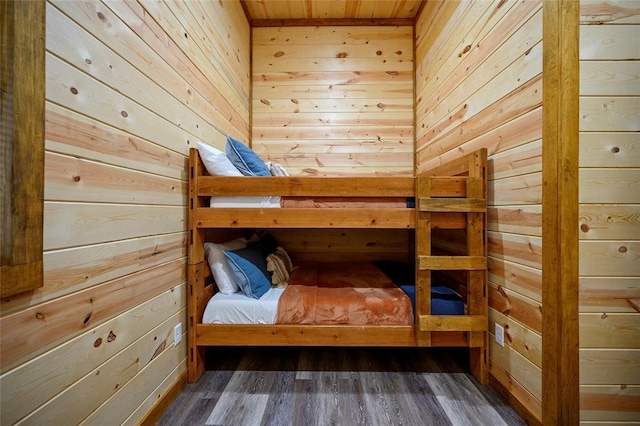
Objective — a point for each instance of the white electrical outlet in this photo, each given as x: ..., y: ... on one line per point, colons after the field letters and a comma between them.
x: 177, y: 334
x: 499, y: 333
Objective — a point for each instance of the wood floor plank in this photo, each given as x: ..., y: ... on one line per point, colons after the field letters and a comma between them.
x: 422, y: 401
x: 280, y: 403
x: 337, y: 386
x: 461, y: 400
x: 497, y: 403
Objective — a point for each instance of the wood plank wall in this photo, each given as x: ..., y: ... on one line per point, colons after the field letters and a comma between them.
x: 609, y: 199
x: 130, y: 87
x: 334, y: 100
x: 479, y: 84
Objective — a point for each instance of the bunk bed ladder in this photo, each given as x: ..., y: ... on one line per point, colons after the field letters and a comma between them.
x: 455, y: 202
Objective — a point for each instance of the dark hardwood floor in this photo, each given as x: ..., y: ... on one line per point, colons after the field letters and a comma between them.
x: 337, y: 386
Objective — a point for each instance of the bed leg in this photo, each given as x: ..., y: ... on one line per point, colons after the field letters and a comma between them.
x: 196, y: 363
x: 478, y: 361
x: 196, y: 354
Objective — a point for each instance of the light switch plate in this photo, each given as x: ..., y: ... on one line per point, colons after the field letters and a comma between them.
x: 499, y: 333
x: 177, y: 334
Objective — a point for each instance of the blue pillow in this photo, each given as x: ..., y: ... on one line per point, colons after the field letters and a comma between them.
x: 249, y: 268
x: 245, y: 160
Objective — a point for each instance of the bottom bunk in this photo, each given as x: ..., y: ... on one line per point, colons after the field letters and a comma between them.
x: 362, y: 321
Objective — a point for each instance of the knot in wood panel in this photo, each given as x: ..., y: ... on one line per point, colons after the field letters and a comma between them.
x: 466, y: 49
x: 159, y: 349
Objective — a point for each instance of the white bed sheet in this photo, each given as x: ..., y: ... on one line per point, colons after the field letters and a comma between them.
x: 238, y: 308
x: 249, y: 201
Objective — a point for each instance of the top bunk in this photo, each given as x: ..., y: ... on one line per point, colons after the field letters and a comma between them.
x: 368, y: 202
x: 354, y: 202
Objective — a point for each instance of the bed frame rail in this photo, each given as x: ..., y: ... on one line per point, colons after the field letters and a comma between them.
x: 308, y: 186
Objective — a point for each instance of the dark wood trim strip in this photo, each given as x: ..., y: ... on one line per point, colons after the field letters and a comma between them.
x: 22, y: 172
x: 243, y: 3
x: 312, y: 22
x: 423, y: 3
x: 560, y: 133
x: 164, y: 401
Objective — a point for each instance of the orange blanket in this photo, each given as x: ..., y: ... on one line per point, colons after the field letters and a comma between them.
x: 343, y: 293
x: 343, y: 202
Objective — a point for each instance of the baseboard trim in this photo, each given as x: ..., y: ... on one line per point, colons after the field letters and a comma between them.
x: 527, y: 415
x: 161, y: 405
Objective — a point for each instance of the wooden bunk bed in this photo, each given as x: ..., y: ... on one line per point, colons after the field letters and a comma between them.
x: 451, y: 197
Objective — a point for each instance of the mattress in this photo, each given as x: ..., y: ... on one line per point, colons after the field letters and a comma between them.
x: 250, y: 201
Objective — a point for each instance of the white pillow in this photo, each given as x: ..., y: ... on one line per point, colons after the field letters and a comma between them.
x: 216, y: 162
x: 220, y: 268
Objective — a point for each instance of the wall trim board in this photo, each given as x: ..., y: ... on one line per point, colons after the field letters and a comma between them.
x: 414, y: 138
x: 164, y: 401
x: 421, y: 7
x: 247, y: 15
x: 518, y: 406
x: 560, y: 357
x: 341, y: 22
x: 22, y: 127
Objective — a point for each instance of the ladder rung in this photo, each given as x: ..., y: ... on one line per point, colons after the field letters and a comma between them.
x: 453, y: 205
x: 453, y: 323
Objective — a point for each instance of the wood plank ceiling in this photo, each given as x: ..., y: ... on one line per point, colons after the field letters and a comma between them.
x: 264, y: 10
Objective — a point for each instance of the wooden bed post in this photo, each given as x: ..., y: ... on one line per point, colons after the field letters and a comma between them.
x: 195, y: 250
x: 423, y: 277
x: 195, y: 354
x: 477, y: 279
x: 195, y: 243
